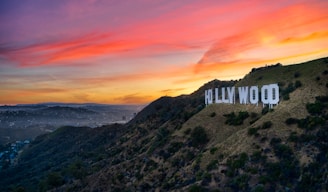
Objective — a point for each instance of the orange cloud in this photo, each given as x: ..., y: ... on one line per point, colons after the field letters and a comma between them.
x: 318, y: 35
x: 171, y: 91
x: 135, y: 98
x: 263, y: 41
x: 32, y: 95
x: 91, y: 50
x: 59, y: 52
x: 244, y: 66
x: 71, y: 51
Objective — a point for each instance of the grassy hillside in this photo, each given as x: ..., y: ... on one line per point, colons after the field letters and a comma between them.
x: 178, y: 144
x: 303, y: 83
x: 313, y: 79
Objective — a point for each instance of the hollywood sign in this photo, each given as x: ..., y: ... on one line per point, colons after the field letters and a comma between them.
x: 269, y: 95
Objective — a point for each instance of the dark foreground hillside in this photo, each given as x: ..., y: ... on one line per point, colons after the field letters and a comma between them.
x: 178, y: 144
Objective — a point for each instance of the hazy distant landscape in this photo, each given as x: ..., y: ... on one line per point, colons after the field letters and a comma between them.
x: 20, y: 122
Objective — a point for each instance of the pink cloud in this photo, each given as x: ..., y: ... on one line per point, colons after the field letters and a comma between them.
x: 104, y: 43
x: 306, y: 25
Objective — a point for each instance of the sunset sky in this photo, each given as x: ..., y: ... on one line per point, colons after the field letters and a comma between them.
x: 134, y: 51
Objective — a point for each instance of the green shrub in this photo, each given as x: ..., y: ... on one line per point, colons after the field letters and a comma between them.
x: 286, y: 97
x: 283, y: 151
x: 323, y: 99
x: 160, y: 139
x: 265, y: 110
x: 76, y: 170
x: 232, y: 119
x: 290, y: 88
x: 285, y: 171
x: 281, y: 84
x: 285, y: 92
x: 274, y: 141
x: 310, y: 122
x: 304, y: 138
x: 298, y: 84
x: 297, y: 74
x: 273, y: 171
x: 240, y: 183
x: 252, y: 131
x: 196, y: 188
x: 239, y: 162
x: 243, y: 115
x: 212, y: 165
x: 263, y: 139
x: 315, y: 108
x: 54, y: 179
x: 187, y: 131
x: 258, y: 188
x: 254, y: 115
x: 174, y: 147
x: 293, y: 137
x: 291, y: 121
x: 258, y: 157
x: 213, y: 114
x: 213, y: 150
x: 198, y: 136
x: 266, y: 125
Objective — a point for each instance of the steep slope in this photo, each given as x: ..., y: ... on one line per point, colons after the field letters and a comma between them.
x: 68, y: 155
x: 179, y: 144
x: 301, y: 82
x: 206, y: 153
x: 269, y: 135
x: 73, y: 151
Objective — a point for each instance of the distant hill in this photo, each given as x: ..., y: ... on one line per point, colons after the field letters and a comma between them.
x: 178, y: 144
x: 26, y: 121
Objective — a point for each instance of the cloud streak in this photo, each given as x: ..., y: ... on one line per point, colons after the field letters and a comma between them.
x: 246, y: 48
x: 130, y: 52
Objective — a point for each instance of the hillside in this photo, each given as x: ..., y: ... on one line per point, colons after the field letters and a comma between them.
x: 178, y: 144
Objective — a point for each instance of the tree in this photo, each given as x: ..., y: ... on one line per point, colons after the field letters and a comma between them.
x: 54, y: 179
x: 198, y: 136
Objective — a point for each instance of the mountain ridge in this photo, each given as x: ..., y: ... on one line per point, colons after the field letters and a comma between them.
x: 176, y: 144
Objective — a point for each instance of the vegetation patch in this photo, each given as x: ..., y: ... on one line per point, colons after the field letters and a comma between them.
x: 174, y: 147
x: 197, y: 188
x: 285, y: 92
x: 298, y: 84
x: 199, y: 136
x: 212, y: 165
x: 213, y: 114
x: 297, y: 74
x: 291, y: 121
x: 310, y: 122
x: 266, y: 125
x: 315, y: 108
x: 233, y: 119
x: 213, y: 150
x: 253, y: 131
x: 266, y: 109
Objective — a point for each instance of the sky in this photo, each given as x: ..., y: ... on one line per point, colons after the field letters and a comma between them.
x: 135, y: 51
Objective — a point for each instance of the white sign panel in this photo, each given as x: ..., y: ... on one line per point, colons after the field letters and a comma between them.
x: 247, y: 95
